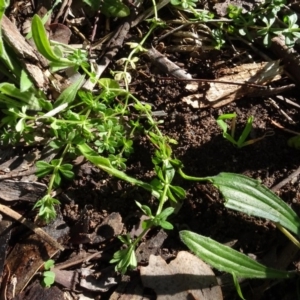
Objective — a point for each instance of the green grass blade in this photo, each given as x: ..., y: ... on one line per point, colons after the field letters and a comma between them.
x: 226, y: 259
x: 245, y: 132
x: 69, y: 94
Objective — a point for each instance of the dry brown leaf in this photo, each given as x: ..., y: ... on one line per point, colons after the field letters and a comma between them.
x: 220, y: 94
x: 183, y: 278
x: 260, y: 73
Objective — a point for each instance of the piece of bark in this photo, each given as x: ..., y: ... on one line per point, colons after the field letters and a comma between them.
x: 37, y: 292
x: 30, y: 253
x: 150, y: 247
x: 111, y: 226
x: 24, y: 52
x: 289, y: 57
x: 67, y: 279
x: 11, y: 190
x: 5, y: 233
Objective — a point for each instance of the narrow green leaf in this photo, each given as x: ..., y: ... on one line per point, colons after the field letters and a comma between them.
x: 25, y: 82
x: 228, y: 137
x: 166, y: 225
x: 108, y: 83
x: 144, y: 208
x: 247, y: 195
x: 222, y: 125
x: 227, y: 116
x: 69, y: 94
x: 178, y: 191
x: 226, y: 259
x: 66, y: 173
x: 27, y: 97
x: 166, y: 212
x: 41, y: 40
x: 237, y: 286
x: 245, y: 132
x: 57, y: 179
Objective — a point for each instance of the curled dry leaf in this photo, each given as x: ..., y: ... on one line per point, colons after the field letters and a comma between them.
x: 185, y: 277
x: 246, y: 76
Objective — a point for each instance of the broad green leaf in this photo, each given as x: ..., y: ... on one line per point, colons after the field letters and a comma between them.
x: 294, y: 142
x: 247, y: 195
x: 20, y: 125
x: 166, y: 225
x: 62, y: 64
x: 226, y: 259
x: 108, y: 83
x: 25, y: 82
x: 43, y: 168
x: 45, y: 17
x: 49, y: 278
x: 66, y: 172
x: 94, y: 4
x: 3, y: 5
x: 55, y: 162
x: 41, y: 40
x: 69, y: 94
x: 227, y: 116
x: 27, y: 97
x: 114, y: 8
x: 56, y: 144
x: 57, y: 179
x: 49, y: 264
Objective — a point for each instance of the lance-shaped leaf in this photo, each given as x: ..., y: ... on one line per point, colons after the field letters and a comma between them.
x: 247, y: 195
x: 226, y: 259
x: 41, y: 40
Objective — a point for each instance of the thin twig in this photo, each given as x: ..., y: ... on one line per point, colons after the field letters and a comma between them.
x: 282, y: 183
x: 40, y: 232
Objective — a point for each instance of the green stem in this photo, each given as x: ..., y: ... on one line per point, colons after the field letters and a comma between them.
x: 56, y: 169
x: 192, y: 178
x: 155, y: 9
x: 135, y: 50
x: 288, y: 235
x: 136, y: 241
x: 162, y: 199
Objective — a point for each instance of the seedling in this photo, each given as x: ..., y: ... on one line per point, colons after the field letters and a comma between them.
x: 48, y: 275
x: 241, y: 142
